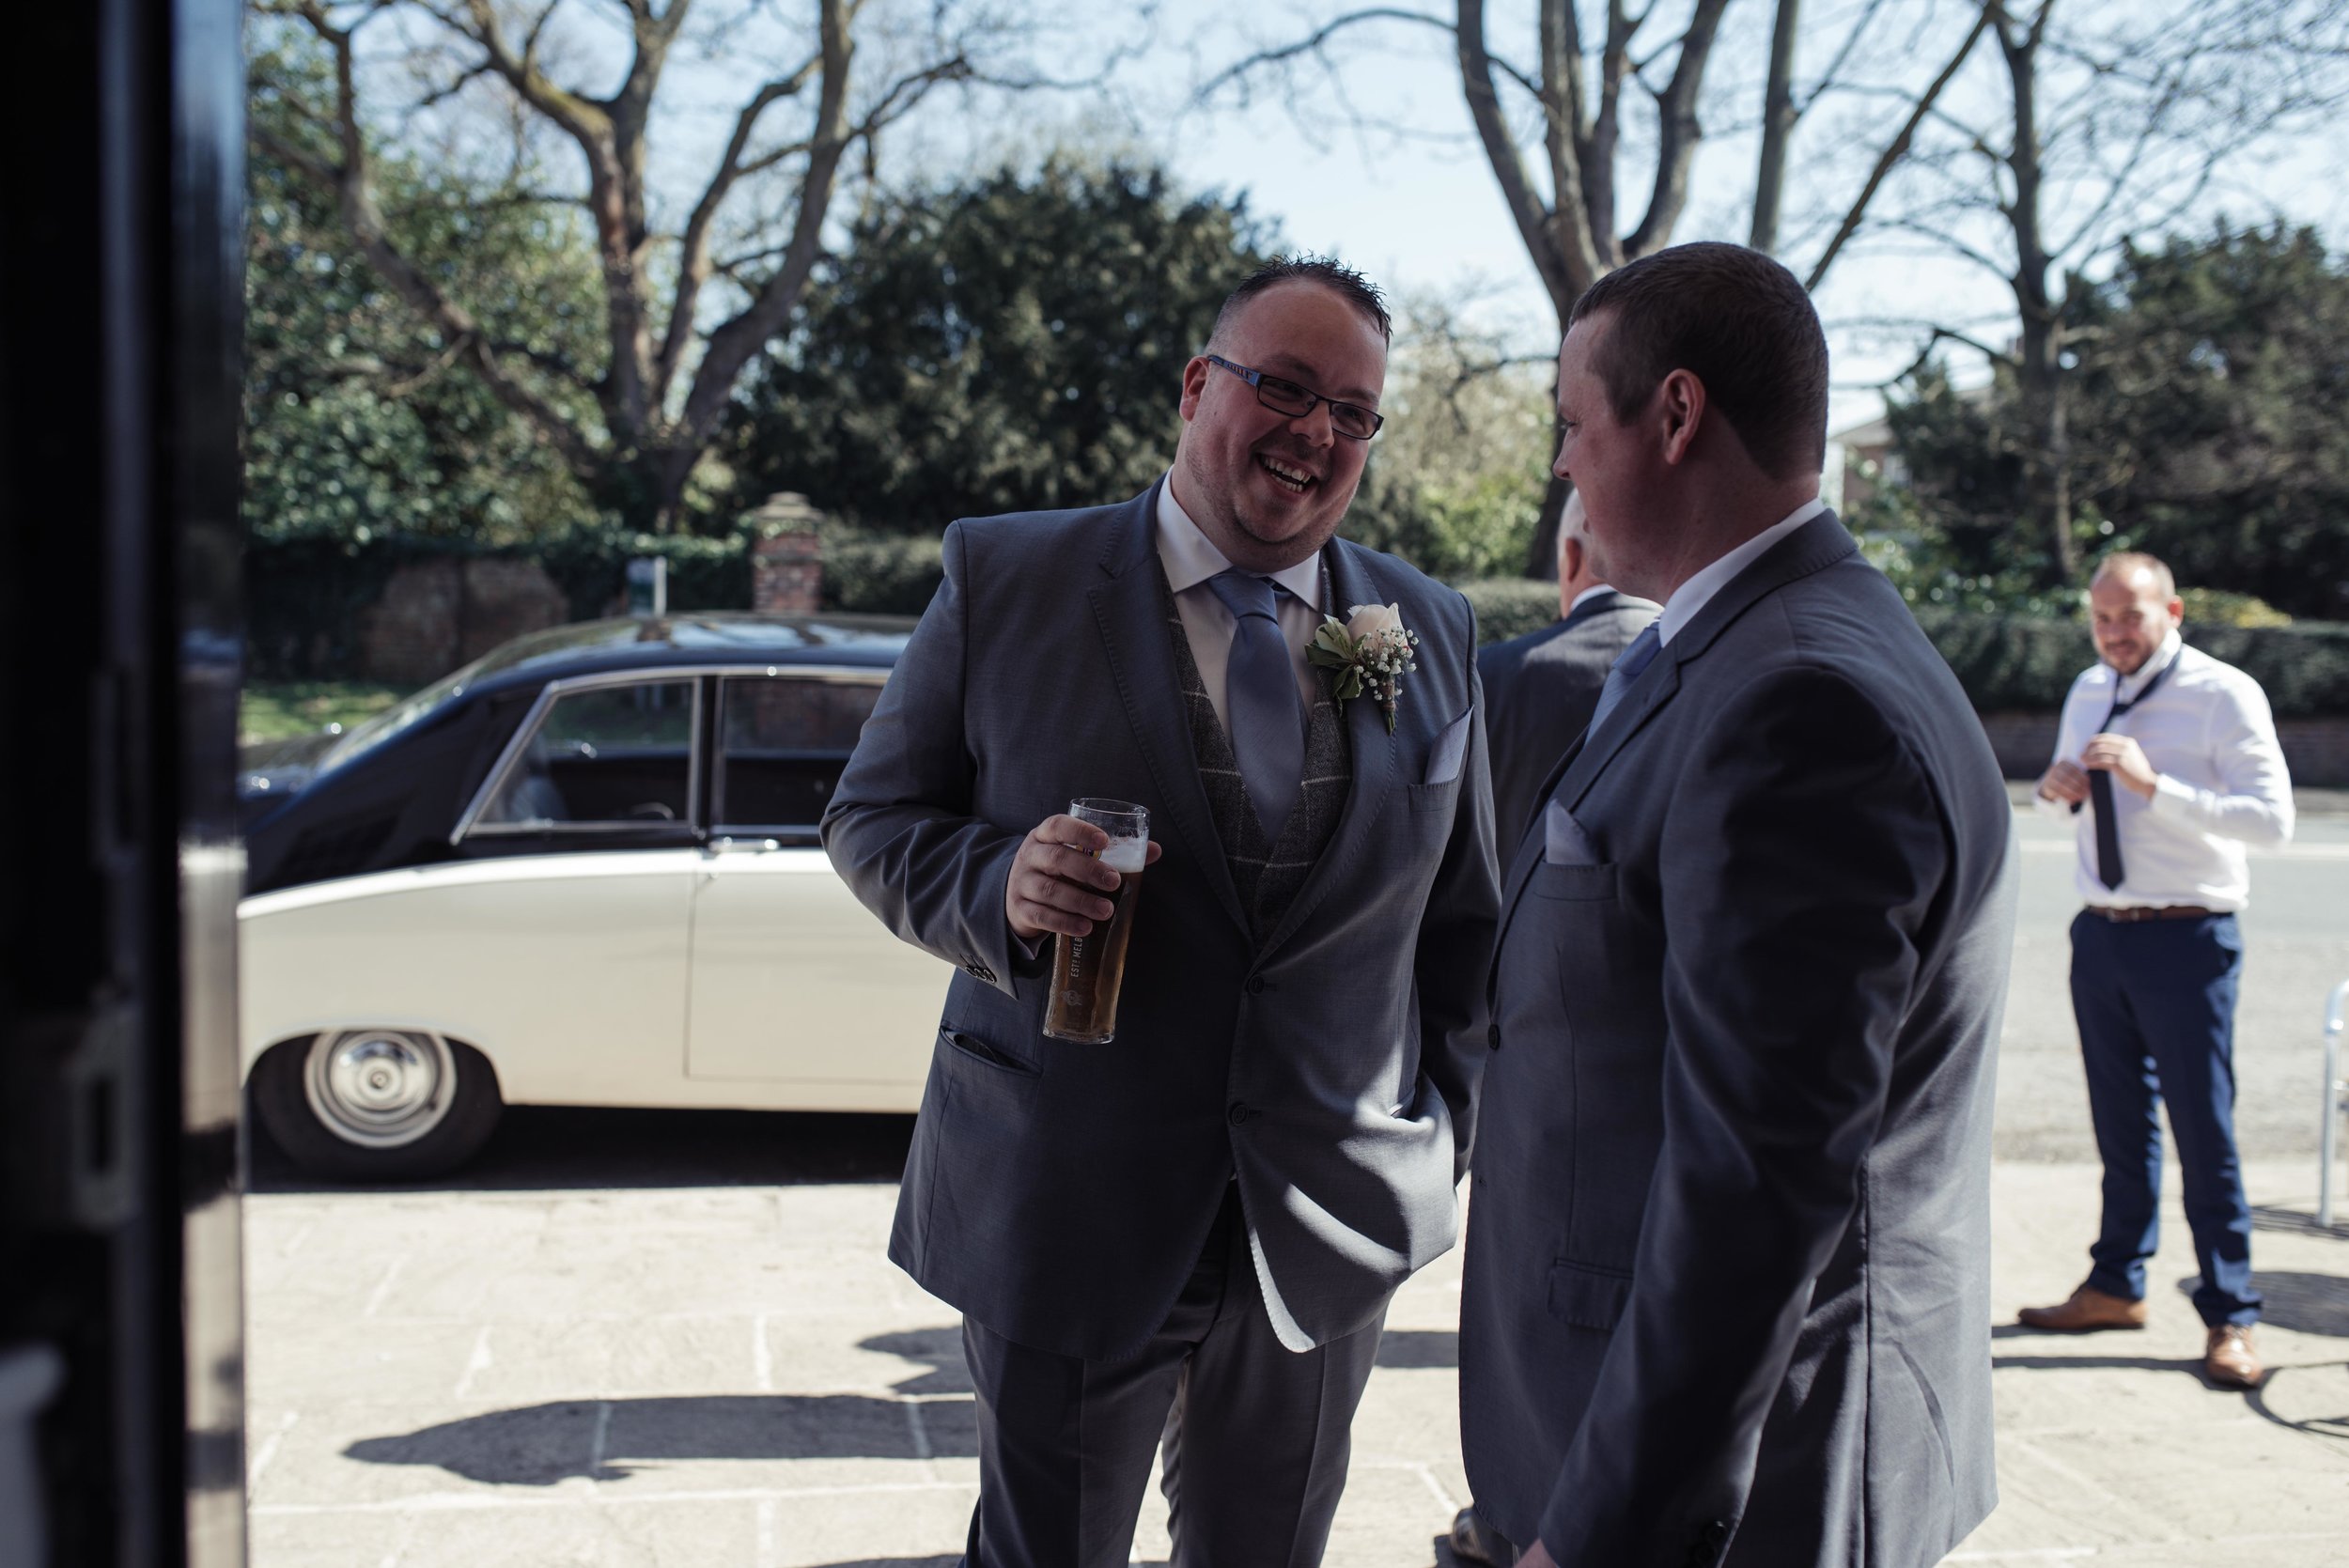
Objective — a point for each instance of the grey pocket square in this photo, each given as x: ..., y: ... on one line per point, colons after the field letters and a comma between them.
x: 1450, y: 750
x: 1564, y: 842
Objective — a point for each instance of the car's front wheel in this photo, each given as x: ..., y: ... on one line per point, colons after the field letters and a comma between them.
x: 376, y: 1104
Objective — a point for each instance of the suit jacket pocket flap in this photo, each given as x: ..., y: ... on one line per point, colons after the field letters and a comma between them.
x: 972, y: 1048
x: 1587, y: 1298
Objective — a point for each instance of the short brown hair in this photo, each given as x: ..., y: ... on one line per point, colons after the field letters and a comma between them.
x: 1738, y: 322
x: 1329, y: 272
x: 2122, y: 562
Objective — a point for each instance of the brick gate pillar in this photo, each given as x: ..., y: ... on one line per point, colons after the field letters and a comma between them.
x: 788, y: 559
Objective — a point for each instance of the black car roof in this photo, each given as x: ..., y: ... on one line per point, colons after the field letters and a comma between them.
x: 701, y: 637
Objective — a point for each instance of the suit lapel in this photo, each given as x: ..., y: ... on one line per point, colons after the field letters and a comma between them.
x: 1814, y: 546
x: 1138, y: 643
x: 1374, y: 751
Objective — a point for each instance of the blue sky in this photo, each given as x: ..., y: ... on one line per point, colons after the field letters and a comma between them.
x: 1411, y: 200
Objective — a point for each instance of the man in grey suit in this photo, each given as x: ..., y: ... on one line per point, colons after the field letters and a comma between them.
x: 1540, y: 688
x: 1189, y: 1233
x: 1727, y: 1283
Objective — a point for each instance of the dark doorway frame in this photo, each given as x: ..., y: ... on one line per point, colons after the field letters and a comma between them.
x: 121, y: 278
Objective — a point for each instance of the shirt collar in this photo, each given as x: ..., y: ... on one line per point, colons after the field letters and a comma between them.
x: 1190, y: 557
x: 1587, y: 594
x: 2130, y: 685
x: 1693, y: 595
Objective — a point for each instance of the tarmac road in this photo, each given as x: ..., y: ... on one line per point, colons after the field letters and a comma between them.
x: 2296, y: 937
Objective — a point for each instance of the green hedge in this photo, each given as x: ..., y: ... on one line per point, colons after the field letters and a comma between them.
x: 303, y: 597
x: 1510, y: 607
x: 2019, y: 663
x: 2010, y: 664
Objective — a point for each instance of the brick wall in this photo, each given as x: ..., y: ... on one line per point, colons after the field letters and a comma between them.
x: 438, y: 613
x: 2316, y: 750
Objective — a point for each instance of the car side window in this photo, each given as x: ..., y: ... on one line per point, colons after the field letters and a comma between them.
x: 784, y: 739
x: 601, y: 758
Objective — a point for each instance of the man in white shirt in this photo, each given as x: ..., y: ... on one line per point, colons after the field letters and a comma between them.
x: 2168, y: 762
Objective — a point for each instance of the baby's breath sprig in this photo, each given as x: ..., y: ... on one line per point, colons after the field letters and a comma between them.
x: 1371, y: 654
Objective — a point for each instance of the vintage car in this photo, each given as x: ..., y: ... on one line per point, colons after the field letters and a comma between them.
x: 583, y: 870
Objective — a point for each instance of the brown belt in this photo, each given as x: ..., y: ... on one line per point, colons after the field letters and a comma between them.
x: 2152, y: 911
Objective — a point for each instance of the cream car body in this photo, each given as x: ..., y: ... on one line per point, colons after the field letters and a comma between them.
x: 582, y: 871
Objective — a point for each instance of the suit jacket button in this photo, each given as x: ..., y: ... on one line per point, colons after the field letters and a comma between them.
x: 1238, y: 1113
x: 1255, y: 985
x: 1493, y: 1035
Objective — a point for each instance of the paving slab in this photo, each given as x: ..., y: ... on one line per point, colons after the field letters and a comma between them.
x: 726, y: 1376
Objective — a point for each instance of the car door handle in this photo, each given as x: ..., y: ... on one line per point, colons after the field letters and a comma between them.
x: 743, y: 846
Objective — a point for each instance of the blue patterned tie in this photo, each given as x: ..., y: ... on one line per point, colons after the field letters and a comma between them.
x: 1627, y: 669
x: 1260, y: 690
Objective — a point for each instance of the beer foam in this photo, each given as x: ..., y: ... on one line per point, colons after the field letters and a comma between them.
x: 1126, y: 855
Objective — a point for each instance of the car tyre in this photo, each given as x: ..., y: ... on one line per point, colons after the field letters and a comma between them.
x: 377, y: 1105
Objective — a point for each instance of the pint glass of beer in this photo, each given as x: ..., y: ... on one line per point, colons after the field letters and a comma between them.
x: 1086, y: 969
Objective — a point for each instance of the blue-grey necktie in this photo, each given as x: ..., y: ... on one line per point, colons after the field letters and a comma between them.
x: 1268, y: 714
x: 1627, y: 669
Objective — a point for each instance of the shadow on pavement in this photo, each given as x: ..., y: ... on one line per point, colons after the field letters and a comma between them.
x: 941, y: 1350
x: 536, y: 1148
x: 2303, y: 1303
x: 2283, y: 1219
x: 540, y: 1445
x: 2190, y: 1366
x: 1419, y: 1347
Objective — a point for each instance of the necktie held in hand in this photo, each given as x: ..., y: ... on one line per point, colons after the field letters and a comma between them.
x: 1627, y: 667
x: 1268, y: 714
x: 2109, y: 869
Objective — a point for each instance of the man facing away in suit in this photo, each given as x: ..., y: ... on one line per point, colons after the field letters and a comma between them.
x: 1540, y: 688
x: 1727, y: 1282
x: 1188, y: 1235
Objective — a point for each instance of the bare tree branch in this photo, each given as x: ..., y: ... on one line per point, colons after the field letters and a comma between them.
x: 350, y: 183
x: 1894, y: 150
x: 1678, y: 132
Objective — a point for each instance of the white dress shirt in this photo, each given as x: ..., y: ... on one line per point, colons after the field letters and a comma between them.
x: 1190, y: 559
x: 1695, y: 594
x: 2221, y: 781
x: 1585, y: 597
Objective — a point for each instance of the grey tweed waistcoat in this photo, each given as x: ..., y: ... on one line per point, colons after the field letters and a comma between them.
x: 1267, y: 874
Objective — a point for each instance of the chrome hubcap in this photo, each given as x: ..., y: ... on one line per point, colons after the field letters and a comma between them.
x: 379, y: 1088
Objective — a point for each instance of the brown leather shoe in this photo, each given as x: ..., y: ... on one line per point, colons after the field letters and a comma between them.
x: 2086, y: 1310
x: 2230, y: 1361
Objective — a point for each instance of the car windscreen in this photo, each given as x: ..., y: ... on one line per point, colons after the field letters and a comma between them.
x: 404, y: 715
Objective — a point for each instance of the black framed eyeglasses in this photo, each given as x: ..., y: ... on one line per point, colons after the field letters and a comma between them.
x: 1350, y: 420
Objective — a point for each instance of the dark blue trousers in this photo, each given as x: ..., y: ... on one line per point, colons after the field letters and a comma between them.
x: 2155, y: 1004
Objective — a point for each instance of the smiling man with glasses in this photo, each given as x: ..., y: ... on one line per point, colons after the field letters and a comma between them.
x: 1187, y: 1237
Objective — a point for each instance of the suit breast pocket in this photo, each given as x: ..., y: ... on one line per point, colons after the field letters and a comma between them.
x: 1442, y: 797
x: 1574, y: 883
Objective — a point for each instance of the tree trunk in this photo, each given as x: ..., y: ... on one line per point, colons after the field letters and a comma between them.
x: 1778, y: 128
x: 2046, y: 456
x: 1541, y: 555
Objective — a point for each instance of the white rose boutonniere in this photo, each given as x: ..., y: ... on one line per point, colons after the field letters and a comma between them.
x: 1369, y: 651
